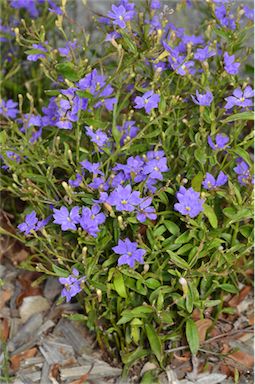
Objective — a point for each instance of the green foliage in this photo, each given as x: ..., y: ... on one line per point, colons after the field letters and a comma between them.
x: 190, y: 263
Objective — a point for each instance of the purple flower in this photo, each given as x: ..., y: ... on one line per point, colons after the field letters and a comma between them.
x: 13, y: 156
x: 68, y: 48
x: 128, y: 130
x: 91, y: 219
x: 189, y: 202
x: 192, y: 39
x: 229, y: 64
x: 249, y: 12
x: 179, y: 64
x: 99, y: 183
x: 72, y: 284
x: 148, y: 101
x: 8, y: 108
x: 203, y: 54
x: 39, y: 55
x: 155, y: 4
x: 92, y: 167
x: 77, y: 181
x: 203, y: 99
x: 154, y: 168
x: 132, y: 170
x: 145, y: 210
x: 211, y: 183
x: 92, y: 82
x: 240, y: 98
x: 65, y: 219
x: 29, y: 224
x: 221, y: 141
x: 29, y: 5
x: 42, y: 223
x: 98, y: 137
x: 112, y: 36
x: 54, y: 8
x: 124, y: 199
x: 120, y: 15
x: 243, y: 171
x: 129, y: 252
x: 225, y: 20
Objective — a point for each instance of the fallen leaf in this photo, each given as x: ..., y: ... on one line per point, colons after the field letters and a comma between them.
x: 32, y: 291
x: 4, y: 330
x: 181, y: 358
x: 54, y: 373
x: 251, y: 318
x: 16, y: 359
x: 226, y: 369
x: 196, y: 314
x: 237, y: 299
x: 84, y: 377
x: 242, y: 358
x: 202, y: 326
x: 5, y: 296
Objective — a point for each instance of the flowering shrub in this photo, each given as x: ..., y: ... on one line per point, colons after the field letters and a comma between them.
x: 127, y: 162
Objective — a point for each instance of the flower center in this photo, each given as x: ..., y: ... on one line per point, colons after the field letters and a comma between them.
x: 121, y: 17
x: 124, y: 202
x: 67, y: 286
x: 92, y: 217
x: 146, y: 101
x: 187, y: 208
x: 242, y: 99
x: 129, y: 253
x: 69, y: 219
x: 156, y: 169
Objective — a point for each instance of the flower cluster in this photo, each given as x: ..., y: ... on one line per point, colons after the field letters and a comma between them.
x: 72, y: 285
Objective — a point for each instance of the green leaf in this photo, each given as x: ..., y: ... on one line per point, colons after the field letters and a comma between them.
x: 228, y: 288
x: 210, y: 214
x: 154, y: 341
x: 200, y: 155
x: 178, y: 260
x: 68, y: 71
x: 60, y: 271
x: 184, y: 238
x: 119, y: 285
x: 172, y: 227
x: 84, y: 94
x: 197, y: 181
x: 130, y: 358
x: 192, y: 336
x: 239, y: 116
x: 152, y: 283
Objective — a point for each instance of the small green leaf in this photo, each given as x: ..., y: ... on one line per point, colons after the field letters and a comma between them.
x: 178, y: 260
x: 192, y: 336
x: 119, y: 284
x: 152, y: 283
x: 184, y: 238
x: 68, y: 70
x: 228, y: 288
x: 154, y: 341
x: 210, y: 214
x: 60, y: 271
x: 197, y: 181
x: 239, y: 116
x: 172, y: 227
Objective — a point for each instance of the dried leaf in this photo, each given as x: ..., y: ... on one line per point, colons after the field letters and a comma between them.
x: 16, y: 359
x: 202, y: 327
x: 32, y: 291
x: 237, y: 299
x: 4, y: 330
x: 242, y: 358
x: 84, y: 377
x: 5, y: 295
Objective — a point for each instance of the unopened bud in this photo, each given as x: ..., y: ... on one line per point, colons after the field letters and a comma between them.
x: 120, y: 222
x: 99, y: 295
x: 84, y: 251
x: 146, y: 267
